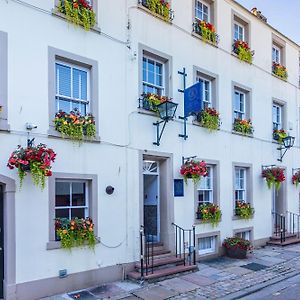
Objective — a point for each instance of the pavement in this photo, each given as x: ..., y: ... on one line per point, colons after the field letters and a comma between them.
x: 222, y: 278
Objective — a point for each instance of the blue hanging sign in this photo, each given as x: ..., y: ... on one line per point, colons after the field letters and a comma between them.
x: 193, y: 98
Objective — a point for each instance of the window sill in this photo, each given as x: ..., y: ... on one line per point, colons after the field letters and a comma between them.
x: 54, y: 245
x: 278, y: 77
x: 235, y: 217
x: 196, y: 123
x: 54, y: 134
x: 147, y: 112
x: 236, y: 56
x: 142, y: 7
x: 241, y: 134
x: 62, y: 16
x: 201, y: 222
x: 199, y: 37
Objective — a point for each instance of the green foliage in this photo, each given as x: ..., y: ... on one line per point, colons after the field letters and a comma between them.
x: 159, y: 7
x: 210, y: 213
x: 244, y: 55
x: 243, y: 126
x: 244, y: 210
x: 207, y: 32
x: 280, y: 71
x: 209, y: 118
x: 237, y: 242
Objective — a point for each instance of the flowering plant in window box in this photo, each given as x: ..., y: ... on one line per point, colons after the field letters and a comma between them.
x: 194, y: 169
x: 243, y: 126
x: 243, y: 209
x: 160, y: 7
x: 274, y: 176
x: 75, y: 232
x: 74, y: 125
x: 279, y: 135
x: 296, y: 178
x: 36, y: 160
x: 78, y: 12
x: 210, y: 213
x: 151, y: 101
x: 236, y: 247
x: 207, y: 31
x: 280, y: 71
x: 209, y: 118
x: 243, y: 51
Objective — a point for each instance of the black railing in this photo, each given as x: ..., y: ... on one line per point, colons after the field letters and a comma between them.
x: 293, y: 223
x: 185, y: 244
x: 279, y: 226
x: 147, y: 252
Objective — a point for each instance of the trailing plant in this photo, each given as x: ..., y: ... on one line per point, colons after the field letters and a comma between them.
x: 160, y: 7
x: 193, y: 169
x: 75, y: 232
x: 207, y: 31
x: 74, y: 125
x: 36, y: 160
x: 210, y: 119
x: 243, y: 209
x: 209, y: 213
x: 280, y: 71
x: 151, y: 101
x: 243, y: 126
x: 296, y: 178
x: 78, y: 12
x: 243, y: 51
x: 237, y: 243
x: 274, y: 176
x: 279, y: 135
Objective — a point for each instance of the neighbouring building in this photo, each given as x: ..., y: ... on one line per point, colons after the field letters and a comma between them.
x: 120, y: 178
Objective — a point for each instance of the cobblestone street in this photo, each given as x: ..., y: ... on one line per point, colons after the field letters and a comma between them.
x: 222, y: 278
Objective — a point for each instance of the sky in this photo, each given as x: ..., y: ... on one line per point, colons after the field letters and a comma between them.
x: 282, y: 15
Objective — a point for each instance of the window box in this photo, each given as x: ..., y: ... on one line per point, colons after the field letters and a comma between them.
x: 243, y: 126
x: 279, y: 71
x: 243, y: 210
x: 274, y: 176
x: 209, y: 213
x: 151, y: 101
x: 206, y: 31
x: 159, y: 7
x: 209, y: 118
x: 78, y: 12
x: 243, y: 51
x: 279, y: 135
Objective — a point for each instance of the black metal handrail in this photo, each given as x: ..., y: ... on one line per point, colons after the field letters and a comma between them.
x: 279, y: 226
x: 293, y: 223
x: 185, y: 244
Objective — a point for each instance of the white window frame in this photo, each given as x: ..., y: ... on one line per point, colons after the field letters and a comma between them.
x: 277, y: 57
x: 210, y: 250
x: 70, y: 207
x: 207, y: 101
x: 237, y: 110
x: 246, y: 235
x: 72, y: 99
x: 237, y: 185
x: 277, y: 117
x: 162, y: 88
x: 200, y: 11
x: 240, y: 28
x: 203, y: 187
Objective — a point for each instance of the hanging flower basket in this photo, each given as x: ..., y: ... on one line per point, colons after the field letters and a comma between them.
x: 35, y: 160
x: 75, y: 233
x: 243, y: 210
x: 207, y: 31
x: 160, y: 7
x: 245, y: 127
x: 193, y: 169
x: 280, y: 71
x: 279, y: 135
x: 236, y: 247
x: 209, y: 213
x: 74, y: 125
x: 296, y: 178
x: 78, y: 12
x: 210, y: 119
x: 274, y: 176
x: 243, y: 51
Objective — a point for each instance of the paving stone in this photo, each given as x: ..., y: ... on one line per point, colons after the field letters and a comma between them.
x: 127, y: 285
x: 198, y: 279
x: 238, y: 270
x: 275, y: 260
x: 155, y: 293
x: 210, y: 271
x: 179, y: 285
x: 106, y: 291
x: 130, y: 298
x: 82, y: 295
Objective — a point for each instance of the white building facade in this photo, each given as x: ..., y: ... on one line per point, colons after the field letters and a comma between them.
x: 128, y: 52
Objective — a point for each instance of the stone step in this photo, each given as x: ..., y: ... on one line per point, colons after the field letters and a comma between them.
x: 162, y: 272
x: 287, y: 236
x: 288, y: 241
x: 159, y: 252
x: 169, y: 260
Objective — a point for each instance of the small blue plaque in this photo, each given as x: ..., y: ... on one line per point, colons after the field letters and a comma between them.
x: 178, y: 188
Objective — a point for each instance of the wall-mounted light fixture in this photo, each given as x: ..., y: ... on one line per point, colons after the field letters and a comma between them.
x: 287, y: 143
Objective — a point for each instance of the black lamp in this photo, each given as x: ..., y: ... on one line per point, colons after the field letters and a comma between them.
x: 288, y: 142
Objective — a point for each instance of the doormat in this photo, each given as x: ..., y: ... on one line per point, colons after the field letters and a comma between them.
x: 254, y: 267
x: 83, y: 295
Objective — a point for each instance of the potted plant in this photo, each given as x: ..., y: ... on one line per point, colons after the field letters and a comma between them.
x: 35, y: 160
x: 245, y: 127
x: 75, y: 232
x: 209, y: 213
x: 236, y: 247
x: 193, y: 169
x: 296, y: 178
x: 243, y: 210
x: 279, y: 135
x: 209, y: 118
x: 243, y: 51
x: 274, y: 176
x: 78, y: 12
x: 160, y: 7
x: 74, y: 125
x: 280, y: 71
x: 207, y: 31
x: 150, y: 101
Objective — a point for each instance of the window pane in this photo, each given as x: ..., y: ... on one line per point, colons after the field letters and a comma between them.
x: 63, y: 105
x: 62, y: 213
x: 62, y: 194
x: 63, y: 77
x: 78, y: 194
x: 151, y: 65
x: 78, y: 213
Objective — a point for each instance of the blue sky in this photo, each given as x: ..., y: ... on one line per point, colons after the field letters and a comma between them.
x: 284, y: 20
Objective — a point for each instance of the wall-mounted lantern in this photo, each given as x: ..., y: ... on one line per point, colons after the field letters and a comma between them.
x: 287, y: 143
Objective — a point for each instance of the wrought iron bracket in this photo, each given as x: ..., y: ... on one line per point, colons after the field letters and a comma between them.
x: 184, y: 75
x: 282, y: 153
x: 184, y: 159
x: 159, y: 132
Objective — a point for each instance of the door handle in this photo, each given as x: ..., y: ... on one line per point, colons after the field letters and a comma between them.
x: 1, y: 249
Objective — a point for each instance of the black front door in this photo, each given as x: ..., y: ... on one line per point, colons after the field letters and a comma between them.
x: 1, y: 243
